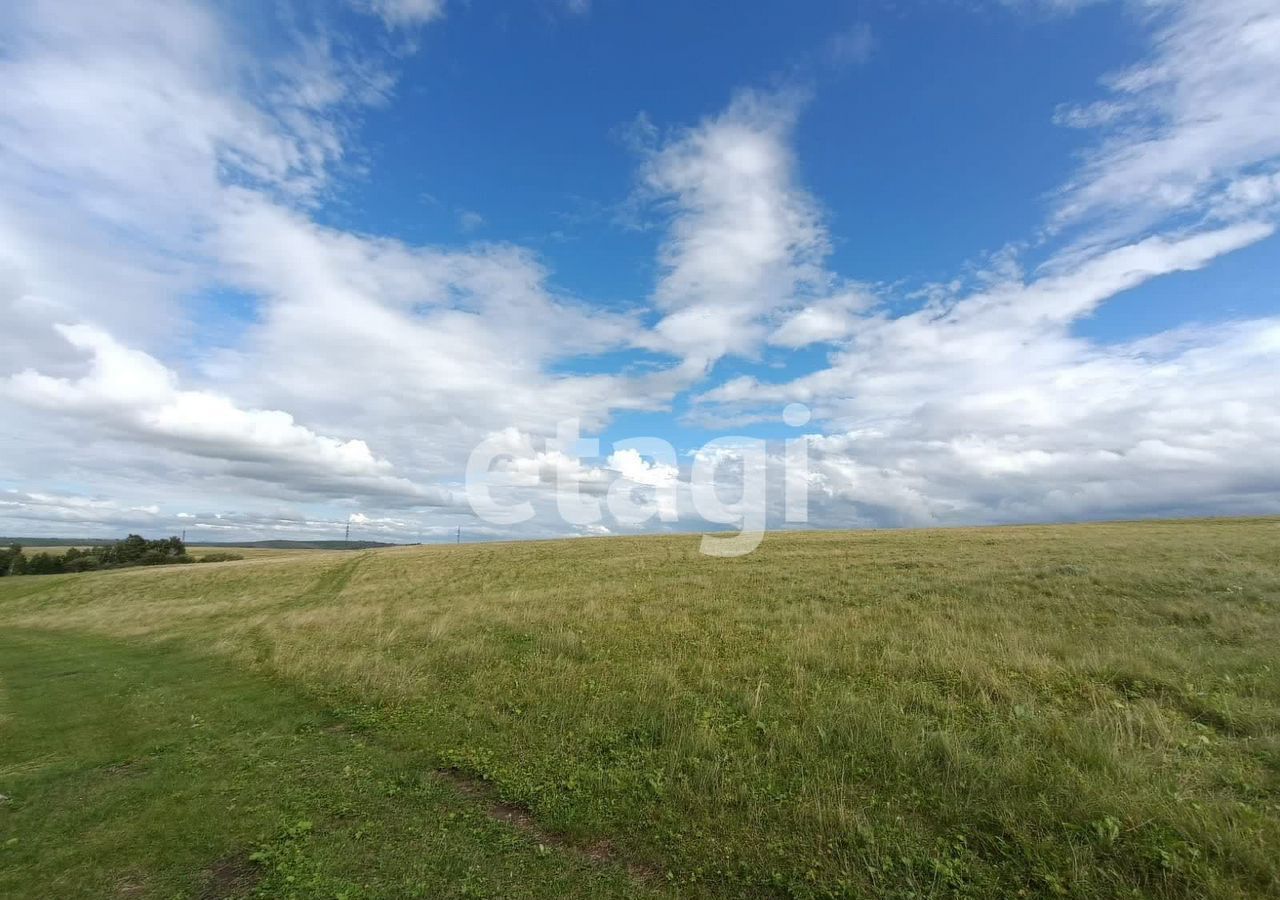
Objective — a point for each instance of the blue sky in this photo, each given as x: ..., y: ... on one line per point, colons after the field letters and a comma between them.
x: 272, y: 268
x: 936, y: 148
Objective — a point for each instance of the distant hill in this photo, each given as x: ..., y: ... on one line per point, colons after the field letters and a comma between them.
x: 268, y: 545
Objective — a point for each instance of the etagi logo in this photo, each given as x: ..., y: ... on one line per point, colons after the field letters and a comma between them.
x: 642, y: 482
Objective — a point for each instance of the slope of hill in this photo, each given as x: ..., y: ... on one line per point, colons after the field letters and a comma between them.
x: 1086, y: 710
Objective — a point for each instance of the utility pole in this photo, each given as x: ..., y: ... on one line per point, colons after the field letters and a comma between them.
x: 459, y: 534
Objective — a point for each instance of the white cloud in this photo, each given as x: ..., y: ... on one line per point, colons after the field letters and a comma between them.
x: 434, y: 348
x: 404, y: 13
x: 744, y: 239
x: 655, y: 483
x: 426, y: 350
x: 67, y: 515
x: 827, y: 319
x: 68, y: 510
x: 120, y: 132
x: 1248, y: 195
x: 469, y: 220
x: 851, y: 47
x: 128, y: 391
x: 1199, y: 112
x: 1174, y: 424
x: 990, y: 409
x: 631, y: 465
x: 144, y: 160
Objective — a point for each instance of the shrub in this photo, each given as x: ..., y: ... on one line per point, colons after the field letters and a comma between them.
x: 134, y: 550
x: 12, y: 561
x: 219, y: 557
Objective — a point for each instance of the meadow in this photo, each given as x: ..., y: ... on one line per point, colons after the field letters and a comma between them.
x: 1083, y: 711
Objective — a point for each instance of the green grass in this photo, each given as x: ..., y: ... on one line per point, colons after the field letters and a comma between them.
x: 1084, y: 711
x: 146, y: 771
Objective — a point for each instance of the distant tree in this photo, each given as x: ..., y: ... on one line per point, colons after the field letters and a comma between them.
x: 219, y: 557
x: 84, y: 562
x: 134, y: 550
x: 129, y: 551
x: 12, y: 562
x: 44, y: 564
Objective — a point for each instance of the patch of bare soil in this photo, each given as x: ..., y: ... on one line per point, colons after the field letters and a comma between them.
x: 130, y: 886
x: 231, y: 876
x: 601, y: 852
x: 129, y: 768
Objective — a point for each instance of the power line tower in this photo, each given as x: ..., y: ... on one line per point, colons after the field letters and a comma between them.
x: 346, y: 538
x: 459, y: 535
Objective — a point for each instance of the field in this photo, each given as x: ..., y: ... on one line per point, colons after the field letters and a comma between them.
x: 1085, y: 711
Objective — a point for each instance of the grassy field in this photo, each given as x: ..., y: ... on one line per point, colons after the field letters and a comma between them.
x: 1088, y: 711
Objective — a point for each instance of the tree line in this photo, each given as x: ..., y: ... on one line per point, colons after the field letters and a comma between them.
x: 135, y: 550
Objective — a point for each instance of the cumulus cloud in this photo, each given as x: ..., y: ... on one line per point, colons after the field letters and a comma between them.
x: 990, y: 409
x: 638, y: 484
x: 120, y: 132
x: 435, y: 348
x: 744, y: 239
x: 988, y: 406
x: 426, y: 349
x: 823, y: 320
x: 128, y: 391
x: 1171, y: 425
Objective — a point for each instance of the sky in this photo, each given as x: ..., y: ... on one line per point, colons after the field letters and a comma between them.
x: 273, y: 269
